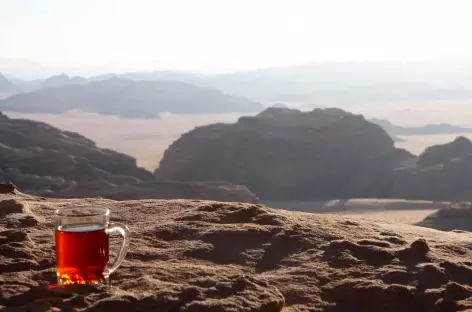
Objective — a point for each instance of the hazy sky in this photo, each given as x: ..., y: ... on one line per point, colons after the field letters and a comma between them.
x: 232, y: 34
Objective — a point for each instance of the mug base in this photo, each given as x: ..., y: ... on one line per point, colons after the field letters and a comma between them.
x: 67, y: 282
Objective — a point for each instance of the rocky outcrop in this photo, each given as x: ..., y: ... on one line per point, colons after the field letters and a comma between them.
x: 43, y: 160
x: 444, y: 172
x: 191, y: 255
x: 288, y: 154
x: 456, y: 217
x: 284, y: 154
x: 440, y: 154
x: 38, y: 157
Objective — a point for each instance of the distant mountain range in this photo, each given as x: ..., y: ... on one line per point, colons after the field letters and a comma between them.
x: 54, y: 81
x: 395, y: 130
x: 60, y: 81
x: 317, y: 83
x: 127, y: 98
x: 334, y: 83
x: 187, y: 77
x: 380, y: 93
x: 6, y: 85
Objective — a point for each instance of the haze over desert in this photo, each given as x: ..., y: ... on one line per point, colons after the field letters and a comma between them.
x: 144, y: 139
x: 147, y: 139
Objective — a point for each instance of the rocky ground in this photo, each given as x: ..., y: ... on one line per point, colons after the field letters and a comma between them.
x: 193, y: 255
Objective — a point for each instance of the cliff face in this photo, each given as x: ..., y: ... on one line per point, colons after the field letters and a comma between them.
x: 190, y: 255
x: 43, y: 160
x: 288, y: 154
x: 443, y: 172
x: 36, y: 156
x: 443, y: 153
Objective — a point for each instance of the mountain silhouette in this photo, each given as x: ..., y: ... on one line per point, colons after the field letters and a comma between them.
x: 128, y: 98
x: 6, y: 85
x: 431, y: 129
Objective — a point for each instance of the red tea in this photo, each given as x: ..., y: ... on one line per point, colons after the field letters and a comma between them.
x: 81, y: 254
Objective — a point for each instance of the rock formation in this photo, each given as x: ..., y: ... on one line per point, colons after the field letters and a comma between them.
x: 440, y: 154
x: 284, y: 154
x: 443, y: 172
x: 456, y: 217
x: 46, y: 161
x: 34, y: 156
x: 288, y: 154
x: 191, y: 255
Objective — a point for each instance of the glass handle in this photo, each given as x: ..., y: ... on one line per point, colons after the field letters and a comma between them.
x: 121, y: 229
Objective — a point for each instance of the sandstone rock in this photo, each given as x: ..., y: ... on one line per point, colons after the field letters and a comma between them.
x: 34, y: 155
x: 439, y: 154
x: 45, y: 161
x: 444, y: 173
x: 284, y: 154
x: 193, y: 255
x: 7, y: 187
x: 457, y: 217
x: 288, y: 154
x: 10, y: 206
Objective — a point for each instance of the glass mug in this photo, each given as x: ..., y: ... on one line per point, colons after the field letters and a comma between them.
x: 82, y: 246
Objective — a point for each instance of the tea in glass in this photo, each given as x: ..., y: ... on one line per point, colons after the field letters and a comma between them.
x: 82, y: 245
